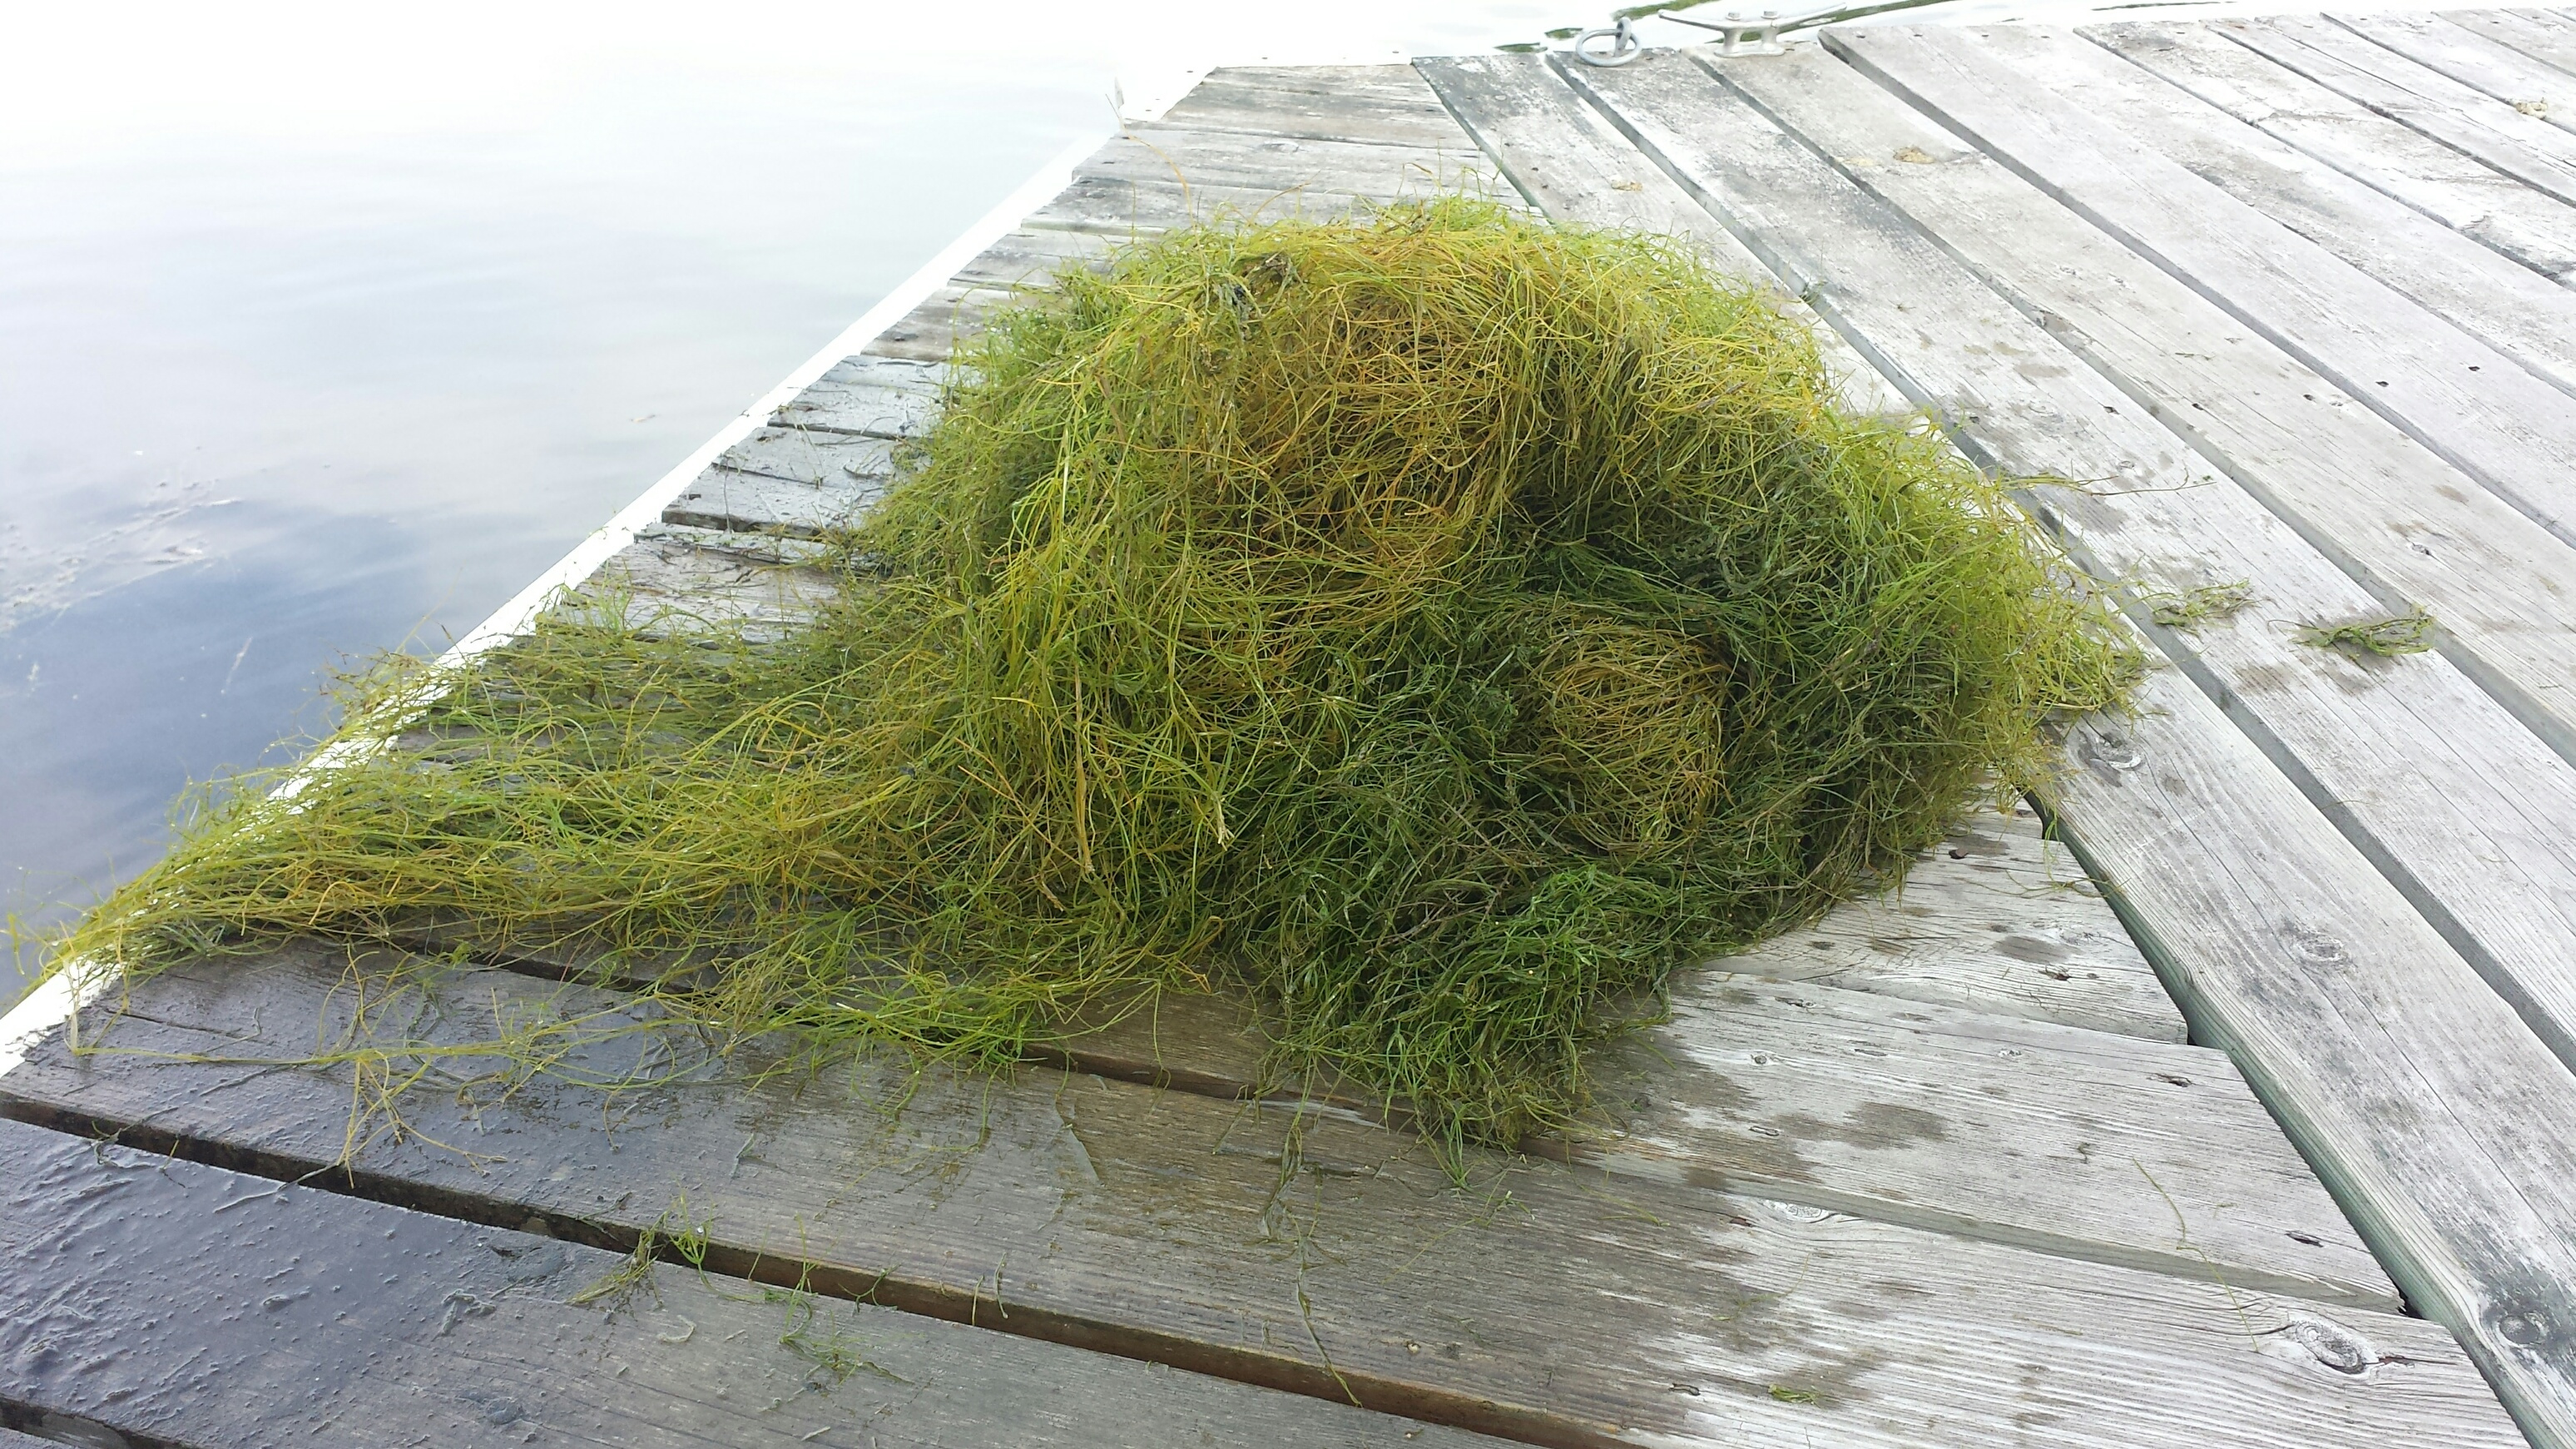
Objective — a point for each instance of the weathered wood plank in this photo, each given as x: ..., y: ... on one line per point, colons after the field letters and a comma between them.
x: 2478, y: 125
x: 1568, y: 164
x: 2539, y: 34
x: 753, y: 503
x: 1032, y: 255
x: 196, y: 1306
x: 671, y: 578
x: 1121, y: 207
x: 929, y: 333
x: 815, y: 457
x: 2477, y: 201
x: 2511, y: 307
x: 2436, y: 782
x: 2070, y: 1142
x: 2442, y: 1124
x: 1386, y: 104
x: 2453, y: 394
x: 880, y: 397
x: 1227, y: 159
x: 1996, y: 919
x: 1323, y: 1256
x: 2061, y: 1142
x: 2409, y: 527
x: 2533, y: 87
x: 2429, y: 1108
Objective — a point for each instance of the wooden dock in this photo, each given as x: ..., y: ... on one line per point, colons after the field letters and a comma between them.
x: 2233, y: 1109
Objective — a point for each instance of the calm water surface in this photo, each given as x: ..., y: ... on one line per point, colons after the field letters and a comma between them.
x: 321, y: 333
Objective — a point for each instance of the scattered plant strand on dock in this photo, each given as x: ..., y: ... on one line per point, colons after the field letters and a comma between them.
x: 2188, y: 609
x: 1442, y: 624
x: 2407, y: 633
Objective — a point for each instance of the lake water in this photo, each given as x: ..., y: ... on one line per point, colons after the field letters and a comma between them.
x: 322, y: 331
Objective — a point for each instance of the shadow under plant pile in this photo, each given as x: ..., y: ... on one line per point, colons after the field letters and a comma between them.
x: 1443, y: 624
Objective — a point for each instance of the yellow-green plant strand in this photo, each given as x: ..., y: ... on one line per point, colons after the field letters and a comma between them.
x: 1442, y: 624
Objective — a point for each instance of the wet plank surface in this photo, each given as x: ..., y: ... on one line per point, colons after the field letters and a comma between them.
x: 200, y: 1307
x: 1297, y: 1251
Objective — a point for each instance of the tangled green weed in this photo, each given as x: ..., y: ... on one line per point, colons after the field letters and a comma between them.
x: 1442, y: 625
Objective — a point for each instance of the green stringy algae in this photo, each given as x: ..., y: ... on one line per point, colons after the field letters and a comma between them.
x: 1440, y: 624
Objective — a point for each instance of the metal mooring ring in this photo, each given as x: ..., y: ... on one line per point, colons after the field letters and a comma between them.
x: 1624, y: 45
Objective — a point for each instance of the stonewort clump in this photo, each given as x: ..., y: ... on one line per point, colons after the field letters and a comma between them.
x: 1442, y: 624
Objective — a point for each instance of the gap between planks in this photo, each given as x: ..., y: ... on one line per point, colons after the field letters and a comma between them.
x: 2275, y: 978
x: 1293, y: 1250
x: 186, y: 1304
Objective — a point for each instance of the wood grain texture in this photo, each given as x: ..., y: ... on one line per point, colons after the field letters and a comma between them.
x: 1386, y: 104
x: 1030, y: 256
x: 2056, y: 1150
x: 880, y: 397
x: 201, y: 1307
x: 1174, y: 154
x: 2450, y: 392
x: 2439, y: 785
x: 1994, y: 918
x: 1560, y: 156
x: 674, y: 580
x: 815, y: 457
x: 722, y: 498
x: 2478, y: 125
x: 2397, y: 518
x: 2446, y: 1129
x: 1120, y: 207
x: 2540, y: 34
x: 2071, y: 1142
x: 2492, y: 297
x: 2441, y: 1123
x: 2533, y: 87
x: 2479, y: 202
x: 1304, y: 1252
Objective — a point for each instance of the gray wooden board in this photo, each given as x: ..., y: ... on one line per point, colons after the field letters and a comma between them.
x: 2443, y: 1126
x: 58, y: 1434
x: 879, y: 396
x: 2438, y: 1120
x: 2447, y: 390
x: 1172, y: 154
x: 2000, y: 1128
x: 1567, y: 163
x: 2457, y: 803
x: 2531, y: 227
x: 2533, y: 87
x: 2410, y: 528
x: 816, y: 457
x: 1032, y: 255
x: 2478, y: 125
x: 929, y: 333
x: 1324, y: 1255
x: 1388, y: 104
x: 1120, y: 207
x: 750, y: 502
x: 2508, y: 306
x: 2549, y: 39
x: 197, y: 1306
x: 2072, y: 1142
x: 1996, y: 919
x: 671, y: 579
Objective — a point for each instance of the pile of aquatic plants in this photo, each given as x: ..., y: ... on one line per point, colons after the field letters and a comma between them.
x: 1441, y: 624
